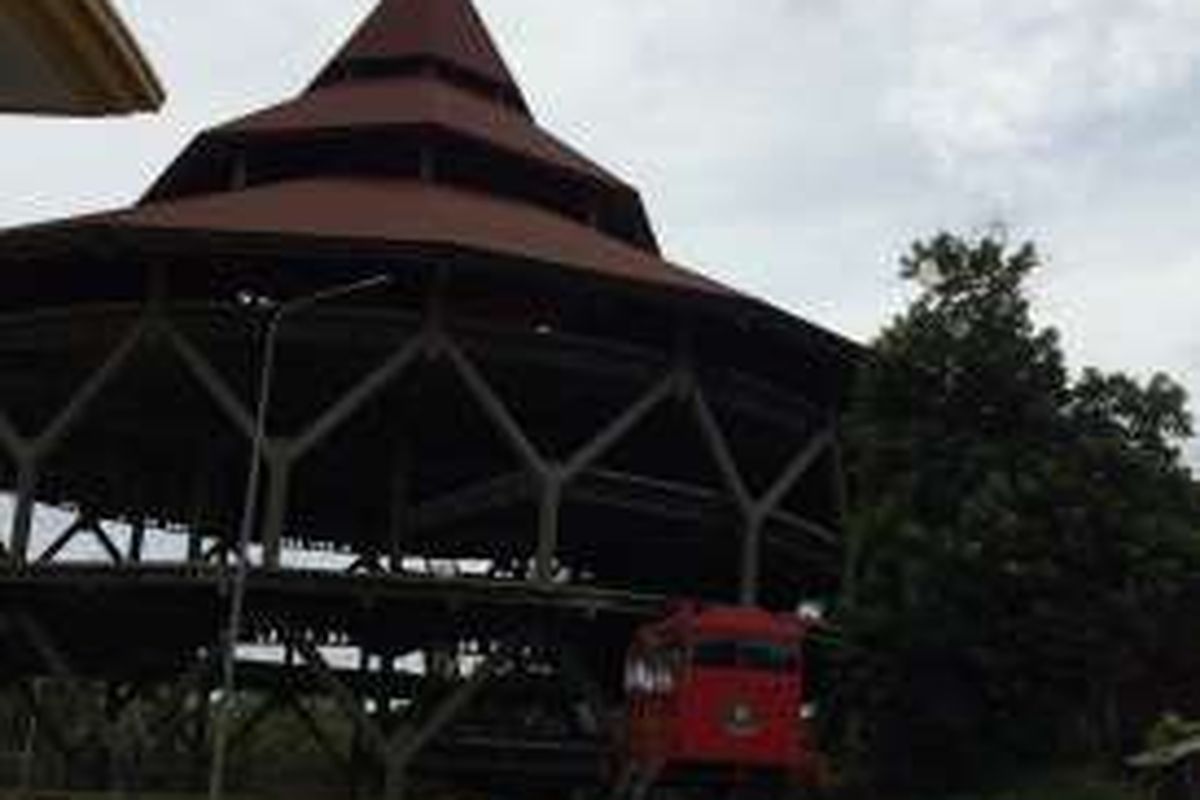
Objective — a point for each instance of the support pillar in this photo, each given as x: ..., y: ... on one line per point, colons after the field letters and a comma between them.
x: 277, y: 503
x: 751, y: 568
x: 357, y: 747
x: 137, y: 529
x: 756, y: 520
x: 137, y: 540
x: 195, y: 545
x: 22, y: 524
x: 117, y: 755
x: 400, y: 516
x: 549, y: 515
x: 44, y: 725
x: 199, y: 504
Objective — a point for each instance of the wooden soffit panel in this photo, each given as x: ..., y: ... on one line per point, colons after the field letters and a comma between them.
x: 72, y: 57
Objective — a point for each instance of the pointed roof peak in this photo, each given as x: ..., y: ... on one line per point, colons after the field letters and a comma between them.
x: 447, y: 38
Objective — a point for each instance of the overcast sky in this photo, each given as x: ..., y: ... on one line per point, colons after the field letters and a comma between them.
x: 791, y: 148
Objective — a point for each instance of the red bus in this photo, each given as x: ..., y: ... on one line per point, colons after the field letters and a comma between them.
x: 720, y: 691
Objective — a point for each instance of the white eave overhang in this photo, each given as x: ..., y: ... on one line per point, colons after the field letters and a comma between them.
x: 72, y: 57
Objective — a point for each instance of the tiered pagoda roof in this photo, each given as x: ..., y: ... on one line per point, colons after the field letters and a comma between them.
x: 415, y: 133
x: 414, y: 140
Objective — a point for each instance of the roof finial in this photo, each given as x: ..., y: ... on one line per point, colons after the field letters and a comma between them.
x: 408, y: 37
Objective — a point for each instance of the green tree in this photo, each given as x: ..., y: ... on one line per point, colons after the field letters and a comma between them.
x: 1018, y: 533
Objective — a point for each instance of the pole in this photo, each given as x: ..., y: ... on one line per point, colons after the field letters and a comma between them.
x: 27, y: 756
x: 221, y: 725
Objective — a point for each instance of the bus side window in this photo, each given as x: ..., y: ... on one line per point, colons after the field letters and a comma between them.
x: 715, y: 654
x: 769, y: 657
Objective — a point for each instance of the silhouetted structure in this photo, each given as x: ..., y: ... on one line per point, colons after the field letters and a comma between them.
x: 569, y: 428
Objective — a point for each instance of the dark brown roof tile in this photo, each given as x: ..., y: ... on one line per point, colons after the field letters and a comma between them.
x: 398, y: 212
x: 417, y: 101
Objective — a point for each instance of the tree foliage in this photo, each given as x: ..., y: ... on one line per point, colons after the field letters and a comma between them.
x: 1020, y: 534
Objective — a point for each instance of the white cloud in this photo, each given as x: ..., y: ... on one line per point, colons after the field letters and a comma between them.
x: 1011, y: 79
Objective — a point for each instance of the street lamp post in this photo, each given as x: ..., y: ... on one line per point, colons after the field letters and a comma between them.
x: 221, y: 724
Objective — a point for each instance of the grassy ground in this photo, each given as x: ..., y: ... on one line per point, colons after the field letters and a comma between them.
x: 1061, y: 785
x: 1064, y: 785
